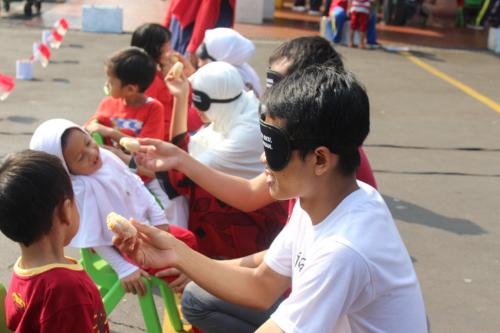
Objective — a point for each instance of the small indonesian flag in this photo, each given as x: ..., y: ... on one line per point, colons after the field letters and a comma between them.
x: 55, y: 39
x: 61, y: 26
x: 42, y: 54
x: 7, y: 84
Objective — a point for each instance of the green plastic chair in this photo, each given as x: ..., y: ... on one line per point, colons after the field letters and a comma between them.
x: 3, y: 317
x: 112, y: 292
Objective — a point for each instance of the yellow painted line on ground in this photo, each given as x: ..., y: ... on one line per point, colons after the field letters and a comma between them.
x: 466, y: 89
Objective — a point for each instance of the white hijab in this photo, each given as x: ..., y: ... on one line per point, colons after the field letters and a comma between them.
x: 111, y: 188
x: 225, y: 44
x: 232, y: 142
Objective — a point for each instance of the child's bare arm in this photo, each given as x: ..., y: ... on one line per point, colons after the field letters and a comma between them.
x: 105, y: 131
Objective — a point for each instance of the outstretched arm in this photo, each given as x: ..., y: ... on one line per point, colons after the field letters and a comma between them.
x: 256, y: 287
x: 243, y: 194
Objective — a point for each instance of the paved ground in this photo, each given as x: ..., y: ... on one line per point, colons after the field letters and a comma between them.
x: 434, y: 149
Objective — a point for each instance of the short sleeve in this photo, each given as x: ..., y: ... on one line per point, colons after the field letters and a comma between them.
x: 279, y: 255
x: 154, y: 124
x: 324, y: 290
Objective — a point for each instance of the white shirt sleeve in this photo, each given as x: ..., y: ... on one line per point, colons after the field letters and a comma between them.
x: 323, y: 291
x: 122, y: 267
x: 279, y: 254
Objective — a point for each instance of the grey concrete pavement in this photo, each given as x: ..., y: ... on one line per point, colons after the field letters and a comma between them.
x: 443, y: 198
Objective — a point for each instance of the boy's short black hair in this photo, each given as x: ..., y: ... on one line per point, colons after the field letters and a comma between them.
x: 306, y: 51
x: 133, y: 66
x: 151, y: 37
x: 32, y: 185
x: 322, y: 106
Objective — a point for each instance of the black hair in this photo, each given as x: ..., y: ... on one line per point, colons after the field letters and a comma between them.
x: 306, y: 51
x: 322, y: 106
x: 151, y: 37
x: 133, y: 66
x: 32, y: 185
x: 65, y: 136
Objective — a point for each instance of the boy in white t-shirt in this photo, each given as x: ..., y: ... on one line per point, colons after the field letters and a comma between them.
x: 341, y: 253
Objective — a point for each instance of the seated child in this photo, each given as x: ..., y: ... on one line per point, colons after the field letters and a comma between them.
x: 155, y: 39
x: 337, y: 15
x: 360, y: 17
x: 102, y: 184
x: 48, y: 292
x: 127, y: 111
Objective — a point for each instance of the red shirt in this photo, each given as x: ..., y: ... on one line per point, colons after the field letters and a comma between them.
x: 143, y: 121
x: 54, y: 298
x: 204, y: 13
x: 338, y: 3
x: 222, y: 230
x: 364, y: 172
x: 159, y: 91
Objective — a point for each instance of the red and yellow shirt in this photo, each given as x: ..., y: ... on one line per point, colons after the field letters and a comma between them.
x: 54, y: 298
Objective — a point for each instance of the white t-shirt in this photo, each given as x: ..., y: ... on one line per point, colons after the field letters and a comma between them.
x: 350, y: 273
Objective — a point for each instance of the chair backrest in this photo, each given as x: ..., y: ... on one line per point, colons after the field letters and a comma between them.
x: 3, y: 317
x: 112, y: 292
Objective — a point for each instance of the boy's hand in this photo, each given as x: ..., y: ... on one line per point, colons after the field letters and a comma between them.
x: 94, y: 127
x: 150, y: 248
x: 134, y: 284
x: 157, y: 155
x: 178, y: 284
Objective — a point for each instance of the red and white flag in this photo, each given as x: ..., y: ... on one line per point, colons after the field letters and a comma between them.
x: 61, y: 26
x: 42, y: 53
x: 55, y: 39
x: 7, y: 84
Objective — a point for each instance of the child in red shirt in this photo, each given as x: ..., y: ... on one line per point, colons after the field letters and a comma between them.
x: 155, y: 39
x: 48, y: 291
x: 128, y: 111
x: 360, y: 15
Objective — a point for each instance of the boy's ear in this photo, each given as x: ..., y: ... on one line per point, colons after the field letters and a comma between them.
x: 324, y: 160
x: 65, y: 211
x: 132, y: 88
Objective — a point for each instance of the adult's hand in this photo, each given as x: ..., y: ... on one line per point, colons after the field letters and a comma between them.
x: 157, y: 155
x: 150, y: 248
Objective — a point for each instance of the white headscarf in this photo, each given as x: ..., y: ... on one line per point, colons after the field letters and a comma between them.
x: 232, y: 142
x: 112, y: 188
x: 225, y: 44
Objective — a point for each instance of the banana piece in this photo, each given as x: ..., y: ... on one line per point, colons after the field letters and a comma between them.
x: 177, y: 69
x: 131, y: 144
x: 120, y: 226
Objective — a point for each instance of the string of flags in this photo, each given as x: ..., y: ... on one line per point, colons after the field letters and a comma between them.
x: 51, y: 39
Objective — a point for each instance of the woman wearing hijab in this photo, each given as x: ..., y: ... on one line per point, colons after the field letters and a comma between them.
x: 230, y: 143
x: 228, y: 45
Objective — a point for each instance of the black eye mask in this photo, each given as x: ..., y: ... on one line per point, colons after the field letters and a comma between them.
x: 277, y: 146
x: 202, y: 101
x: 273, y: 77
